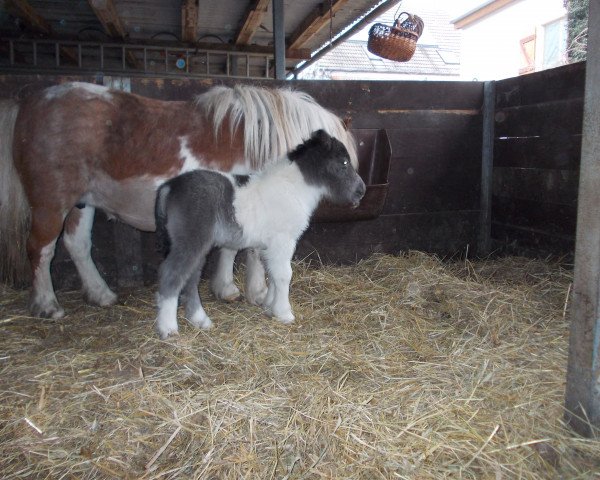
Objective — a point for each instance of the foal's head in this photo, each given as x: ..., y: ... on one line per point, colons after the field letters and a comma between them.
x: 325, y: 162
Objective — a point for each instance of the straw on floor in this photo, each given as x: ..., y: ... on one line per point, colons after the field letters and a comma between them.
x: 397, y: 367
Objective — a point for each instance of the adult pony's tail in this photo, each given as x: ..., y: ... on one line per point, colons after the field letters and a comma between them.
x: 274, y: 120
x: 14, y: 209
x: 163, y: 242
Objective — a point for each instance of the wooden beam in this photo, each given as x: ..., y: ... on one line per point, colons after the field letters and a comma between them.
x: 252, y: 20
x: 32, y: 19
x: 37, y: 23
x: 582, y: 398
x: 314, y: 22
x: 108, y: 16
x: 189, y: 20
x: 480, y: 12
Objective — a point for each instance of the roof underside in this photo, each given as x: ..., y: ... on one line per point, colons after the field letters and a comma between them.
x: 224, y: 25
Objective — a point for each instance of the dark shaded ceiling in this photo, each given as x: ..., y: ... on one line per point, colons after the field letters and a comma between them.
x: 223, y: 25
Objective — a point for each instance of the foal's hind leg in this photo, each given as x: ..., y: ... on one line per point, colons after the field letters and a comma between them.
x: 194, y: 312
x: 46, y: 226
x: 77, y: 240
x: 174, y: 273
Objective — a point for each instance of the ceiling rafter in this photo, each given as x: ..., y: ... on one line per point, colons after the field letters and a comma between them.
x: 108, y: 16
x: 106, y: 12
x: 252, y: 20
x: 23, y: 10
x: 189, y: 20
x: 314, y: 22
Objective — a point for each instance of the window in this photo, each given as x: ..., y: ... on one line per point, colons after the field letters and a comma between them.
x: 527, y: 55
x: 555, y: 43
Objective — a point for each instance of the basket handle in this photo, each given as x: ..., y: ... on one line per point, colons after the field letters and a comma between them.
x: 414, y: 22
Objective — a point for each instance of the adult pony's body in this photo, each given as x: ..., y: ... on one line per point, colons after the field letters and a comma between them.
x: 78, y: 146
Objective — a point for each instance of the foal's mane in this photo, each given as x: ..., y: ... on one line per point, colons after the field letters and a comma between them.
x: 274, y: 120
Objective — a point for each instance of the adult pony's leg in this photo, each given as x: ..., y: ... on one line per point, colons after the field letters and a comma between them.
x: 221, y: 283
x: 46, y: 226
x: 194, y: 312
x: 278, y: 257
x: 78, y: 241
x: 256, y: 288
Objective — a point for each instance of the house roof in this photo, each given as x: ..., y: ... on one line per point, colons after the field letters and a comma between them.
x: 482, y: 11
x: 437, y: 51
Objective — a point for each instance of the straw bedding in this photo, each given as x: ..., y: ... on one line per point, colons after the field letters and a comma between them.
x: 397, y: 367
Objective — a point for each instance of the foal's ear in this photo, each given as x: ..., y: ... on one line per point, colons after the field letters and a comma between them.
x: 322, y: 137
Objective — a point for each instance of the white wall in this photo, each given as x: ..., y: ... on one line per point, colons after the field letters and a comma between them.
x: 490, y: 47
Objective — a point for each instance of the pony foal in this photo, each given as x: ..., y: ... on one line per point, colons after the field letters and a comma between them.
x: 269, y: 211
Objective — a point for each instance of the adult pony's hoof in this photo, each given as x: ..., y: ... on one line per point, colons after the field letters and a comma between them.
x: 257, y: 297
x: 104, y: 298
x: 226, y: 291
x: 51, y: 310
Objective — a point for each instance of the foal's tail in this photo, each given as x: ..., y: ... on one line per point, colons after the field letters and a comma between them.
x: 163, y: 243
x: 14, y: 209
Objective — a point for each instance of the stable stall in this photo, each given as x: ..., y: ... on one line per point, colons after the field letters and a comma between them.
x: 433, y: 322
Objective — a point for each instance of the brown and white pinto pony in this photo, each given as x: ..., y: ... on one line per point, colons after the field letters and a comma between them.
x: 74, y: 147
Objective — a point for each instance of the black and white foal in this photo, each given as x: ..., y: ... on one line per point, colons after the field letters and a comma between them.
x: 267, y: 211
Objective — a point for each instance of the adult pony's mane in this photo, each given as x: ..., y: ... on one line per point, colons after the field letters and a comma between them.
x: 274, y: 120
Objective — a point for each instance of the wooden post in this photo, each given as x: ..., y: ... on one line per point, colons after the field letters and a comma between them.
x: 487, y: 165
x: 582, y: 399
x: 279, y: 39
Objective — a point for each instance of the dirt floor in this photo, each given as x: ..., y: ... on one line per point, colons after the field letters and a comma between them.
x: 397, y: 367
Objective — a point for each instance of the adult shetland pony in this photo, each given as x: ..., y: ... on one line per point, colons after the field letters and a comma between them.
x: 74, y: 147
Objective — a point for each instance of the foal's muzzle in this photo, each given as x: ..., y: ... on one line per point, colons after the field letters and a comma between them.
x: 359, y: 193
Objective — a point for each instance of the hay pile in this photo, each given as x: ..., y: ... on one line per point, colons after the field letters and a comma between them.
x: 398, y: 367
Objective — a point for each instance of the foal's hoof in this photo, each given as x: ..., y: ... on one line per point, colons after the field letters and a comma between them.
x: 165, y: 333
x: 200, y: 321
x: 52, y: 310
x: 284, y: 317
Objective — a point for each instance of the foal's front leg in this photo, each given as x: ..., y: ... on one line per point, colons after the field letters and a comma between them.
x: 256, y: 288
x: 278, y: 257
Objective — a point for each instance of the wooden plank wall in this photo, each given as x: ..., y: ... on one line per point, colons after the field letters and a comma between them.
x: 537, y: 146
x: 435, y: 134
x: 433, y: 199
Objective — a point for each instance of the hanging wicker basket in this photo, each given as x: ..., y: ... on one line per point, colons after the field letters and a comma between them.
x: 397, y: 42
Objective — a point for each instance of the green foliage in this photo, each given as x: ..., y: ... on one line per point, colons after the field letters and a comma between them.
x: 577, y: 11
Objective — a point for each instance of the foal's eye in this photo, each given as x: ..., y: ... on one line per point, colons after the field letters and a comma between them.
x: 345, y: 163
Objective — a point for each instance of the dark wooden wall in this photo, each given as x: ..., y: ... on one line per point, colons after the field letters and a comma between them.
x: 433, y: 198
x: 537, y: 147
